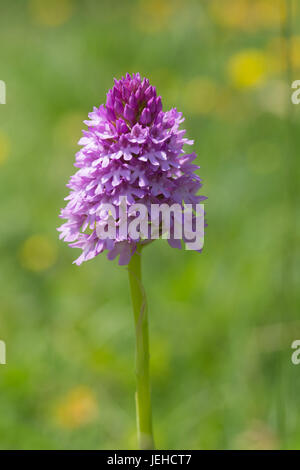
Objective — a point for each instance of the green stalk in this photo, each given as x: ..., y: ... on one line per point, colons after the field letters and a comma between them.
x: 143, y: 395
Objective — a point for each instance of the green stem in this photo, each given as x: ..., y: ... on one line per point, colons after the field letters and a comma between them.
x: 143, y: 395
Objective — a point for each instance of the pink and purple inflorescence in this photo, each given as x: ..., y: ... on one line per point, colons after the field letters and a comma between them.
x: 132, y: 148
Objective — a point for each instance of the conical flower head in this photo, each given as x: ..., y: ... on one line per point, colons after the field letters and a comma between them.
x: 131, y: 151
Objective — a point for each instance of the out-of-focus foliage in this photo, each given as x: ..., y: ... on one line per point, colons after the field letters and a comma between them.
x: 221, y: 323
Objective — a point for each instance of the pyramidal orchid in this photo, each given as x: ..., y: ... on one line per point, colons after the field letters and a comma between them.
x: 132, y: 153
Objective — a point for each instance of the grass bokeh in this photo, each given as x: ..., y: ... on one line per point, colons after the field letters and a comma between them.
x: 221, y: 323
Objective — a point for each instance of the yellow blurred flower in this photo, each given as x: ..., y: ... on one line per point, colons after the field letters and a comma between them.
x: 153, y: 16
x: 53, y: 13
x: 248, y: 68
x: 248, y: 15
x: 4, y: 147
x: 200, y: 95
x: 77, y: 408
x: 38, y: 253
x: 68, y: 129
x: 277, y: 50
x: 295, y: 51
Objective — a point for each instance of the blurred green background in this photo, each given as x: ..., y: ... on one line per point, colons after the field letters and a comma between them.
x: 221, y: 323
